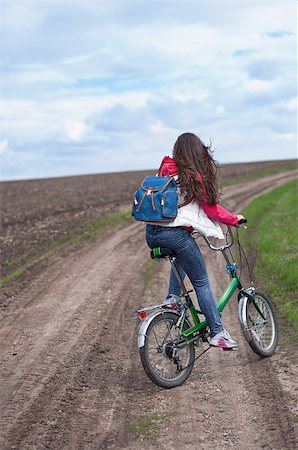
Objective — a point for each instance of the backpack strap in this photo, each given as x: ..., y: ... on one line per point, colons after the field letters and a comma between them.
x: 152, y: 189
x: 185, y: 203
x: 175, y: 176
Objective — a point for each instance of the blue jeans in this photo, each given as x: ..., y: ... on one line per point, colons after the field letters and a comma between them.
x: 189, y: 262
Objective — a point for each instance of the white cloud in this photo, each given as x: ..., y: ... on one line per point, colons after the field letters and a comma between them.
x: 260, y: 85
x: 159, y: 127
x: 3, y: 146
x: 21, y: 18
x: 287, y: 137
x: 75, y: 130
x: 39, y: 74
x: 292, y: 104
x: 220, y: 109
x: 100, y: 76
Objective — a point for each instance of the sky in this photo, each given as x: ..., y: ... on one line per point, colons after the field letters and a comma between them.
x: 108, y: 86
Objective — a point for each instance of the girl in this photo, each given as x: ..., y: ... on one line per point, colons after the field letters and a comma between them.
x: 197, y: 180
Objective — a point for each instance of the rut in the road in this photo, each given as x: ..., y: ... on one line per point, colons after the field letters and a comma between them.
x: 71, y: 375
x: 65, y: 385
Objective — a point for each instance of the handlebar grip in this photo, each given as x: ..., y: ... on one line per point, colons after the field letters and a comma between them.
x: 241, y: 221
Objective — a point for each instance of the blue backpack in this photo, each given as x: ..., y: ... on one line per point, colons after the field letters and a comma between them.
x: 156, y: 200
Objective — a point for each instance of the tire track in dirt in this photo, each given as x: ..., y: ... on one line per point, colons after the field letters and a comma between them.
x: 60, y: 329
x: 71, y: 375
x: 231, y: 400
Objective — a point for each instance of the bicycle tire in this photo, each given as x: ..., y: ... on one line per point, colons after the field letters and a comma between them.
x: 156, y: 354
x: 262, y: 336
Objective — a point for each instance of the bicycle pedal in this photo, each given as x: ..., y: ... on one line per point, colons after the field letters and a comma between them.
x: 233, y: 349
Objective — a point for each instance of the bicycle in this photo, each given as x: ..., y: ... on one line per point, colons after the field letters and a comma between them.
x: 169, y: 334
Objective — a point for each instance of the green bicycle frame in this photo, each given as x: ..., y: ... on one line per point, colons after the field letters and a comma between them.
x: 233, y: 285
x: 198, y: 325
x: 194, y: 332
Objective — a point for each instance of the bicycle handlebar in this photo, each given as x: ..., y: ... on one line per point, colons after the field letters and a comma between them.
x: 241, y: 222
x: 221, y: 247
x: 228, y: 244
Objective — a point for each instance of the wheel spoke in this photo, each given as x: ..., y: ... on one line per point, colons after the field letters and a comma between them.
x: 262, y: 330
x: 164, y: 362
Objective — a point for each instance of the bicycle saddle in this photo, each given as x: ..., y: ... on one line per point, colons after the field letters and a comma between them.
x: 161, y: 252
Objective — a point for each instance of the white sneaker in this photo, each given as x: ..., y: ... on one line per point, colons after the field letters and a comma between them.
x: 172, y: 301
x: 222, y: 340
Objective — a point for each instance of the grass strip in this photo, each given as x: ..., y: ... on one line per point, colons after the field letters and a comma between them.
x: 90, y: 230
x: 69, y: 239
x: 273, y: 220
x: 149, y: 426
x: 260, y: 173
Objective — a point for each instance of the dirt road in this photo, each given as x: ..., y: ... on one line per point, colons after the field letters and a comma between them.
x: 70, y: 371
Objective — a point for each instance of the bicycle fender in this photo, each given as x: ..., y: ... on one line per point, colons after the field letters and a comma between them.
x: 144, y: 327
x: 242, y: 317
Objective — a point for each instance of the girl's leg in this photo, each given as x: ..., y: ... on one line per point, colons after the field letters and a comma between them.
x: 190, y: 261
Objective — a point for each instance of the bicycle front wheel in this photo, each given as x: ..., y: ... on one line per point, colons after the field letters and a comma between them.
x: 166, y: 363
x: 259, y: 323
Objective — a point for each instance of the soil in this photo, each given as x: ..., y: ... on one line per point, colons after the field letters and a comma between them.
x: 34, y: 212
x: 71, y: 376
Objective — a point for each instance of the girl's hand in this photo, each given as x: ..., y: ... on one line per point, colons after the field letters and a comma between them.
x: 241, y: 218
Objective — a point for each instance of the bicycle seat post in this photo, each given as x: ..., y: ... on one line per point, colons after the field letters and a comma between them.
x: 177, y: 275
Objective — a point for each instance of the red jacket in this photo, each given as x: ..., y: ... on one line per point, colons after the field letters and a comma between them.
x: 216, y: 212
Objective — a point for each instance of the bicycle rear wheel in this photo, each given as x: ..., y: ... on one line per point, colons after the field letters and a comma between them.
x: 166, y: 364
x: 260, y: 332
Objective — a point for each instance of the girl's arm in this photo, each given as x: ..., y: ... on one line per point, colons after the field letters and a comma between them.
x: 217, y: 212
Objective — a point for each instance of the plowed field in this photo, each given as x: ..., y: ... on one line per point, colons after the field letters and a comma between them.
x: 70, y: 372
x: 33, y: 212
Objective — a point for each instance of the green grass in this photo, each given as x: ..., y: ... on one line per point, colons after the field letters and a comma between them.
x: 273, y: 220
x: 149, y: 426
x: 67, y: 241
x: 260, y: 173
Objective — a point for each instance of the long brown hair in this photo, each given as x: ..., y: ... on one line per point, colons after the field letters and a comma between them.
x: 191, y: 157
